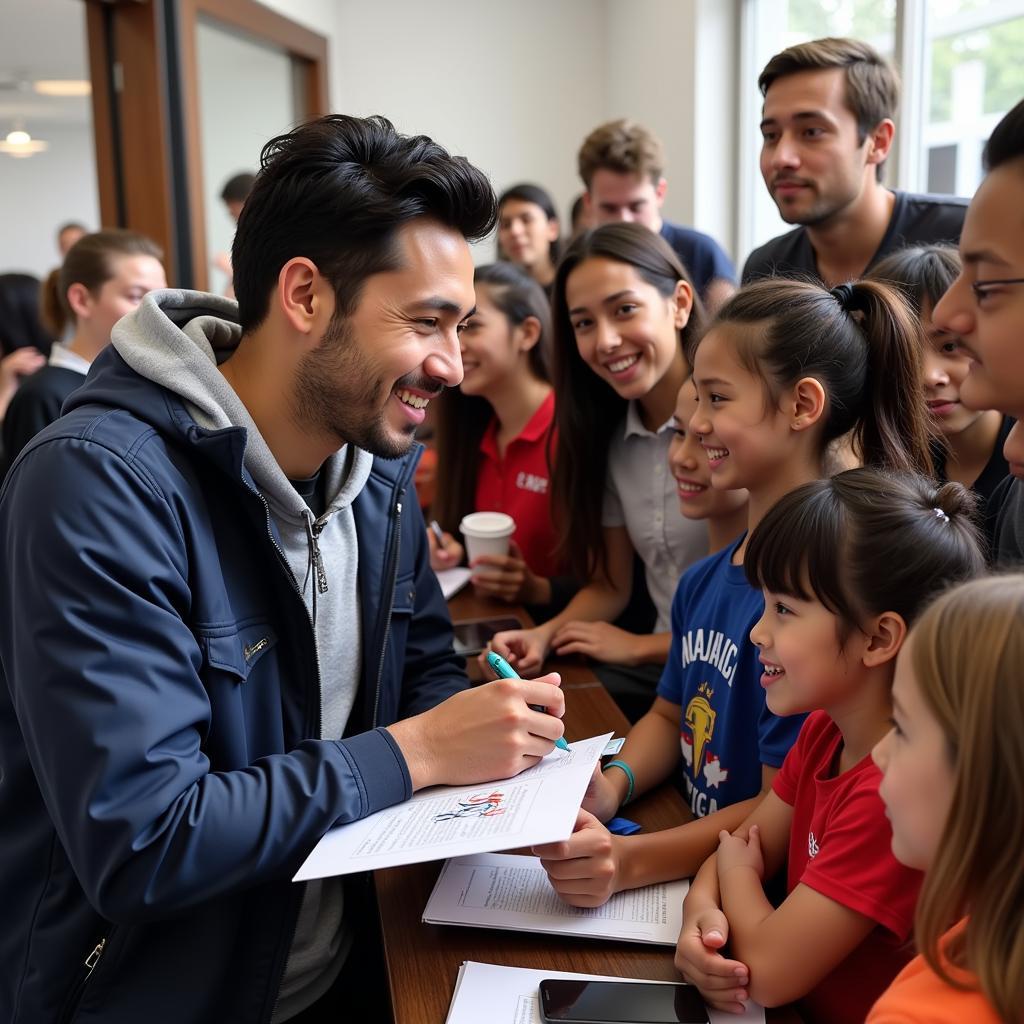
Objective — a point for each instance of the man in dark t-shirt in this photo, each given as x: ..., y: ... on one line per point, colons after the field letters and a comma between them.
x: 622, y: 164
x: 827, y: 128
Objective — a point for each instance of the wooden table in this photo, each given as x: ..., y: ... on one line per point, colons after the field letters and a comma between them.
x: 423, y: 959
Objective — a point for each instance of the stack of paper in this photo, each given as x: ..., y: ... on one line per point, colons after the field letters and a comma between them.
x: 508, y: 995
x: 537, y: 806
x: 502, y: 891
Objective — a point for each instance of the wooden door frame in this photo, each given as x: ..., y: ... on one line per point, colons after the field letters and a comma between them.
x: 146, y: 116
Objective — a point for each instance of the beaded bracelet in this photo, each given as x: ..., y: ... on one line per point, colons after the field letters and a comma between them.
x: 629, y: 777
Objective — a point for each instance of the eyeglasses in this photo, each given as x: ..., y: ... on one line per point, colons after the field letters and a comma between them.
x: 978, y: 287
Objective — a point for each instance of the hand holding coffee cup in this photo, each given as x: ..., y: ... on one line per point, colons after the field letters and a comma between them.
x: 486, y: 533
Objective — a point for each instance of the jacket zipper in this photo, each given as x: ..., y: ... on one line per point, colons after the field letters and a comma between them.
x: 74, y: 996
x: 386, y: 605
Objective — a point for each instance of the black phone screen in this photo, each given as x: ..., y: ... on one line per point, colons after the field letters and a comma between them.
x: 472, y: 636
x: 614, y: 1002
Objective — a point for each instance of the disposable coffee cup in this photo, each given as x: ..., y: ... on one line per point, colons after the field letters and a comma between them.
x: 486, y: 533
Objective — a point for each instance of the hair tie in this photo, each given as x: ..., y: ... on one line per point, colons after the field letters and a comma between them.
x: 940, y: 514
x: 843, y: 294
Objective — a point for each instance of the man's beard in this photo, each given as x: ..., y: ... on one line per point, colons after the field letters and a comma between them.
x: 336, y: 393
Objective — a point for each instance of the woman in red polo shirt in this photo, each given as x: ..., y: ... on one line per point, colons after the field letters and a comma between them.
x: 494, y: 435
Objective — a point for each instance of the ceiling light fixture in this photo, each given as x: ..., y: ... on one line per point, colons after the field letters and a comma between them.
x: 62, y: 87
x: 20, y: 144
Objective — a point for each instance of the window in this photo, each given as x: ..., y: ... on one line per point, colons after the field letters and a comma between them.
x: 961, y: 67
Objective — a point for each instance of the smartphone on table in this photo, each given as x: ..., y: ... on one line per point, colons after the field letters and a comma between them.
x: 473, y: 635
x: 619, y: 1002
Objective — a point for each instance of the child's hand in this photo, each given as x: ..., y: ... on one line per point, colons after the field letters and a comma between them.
x: 601, y: 798
x: 524, y: 649
x: 722, y: 982
x: 598, y: 640
x: 583, y: 869
x: 736, y: 852
x: 445, y: 557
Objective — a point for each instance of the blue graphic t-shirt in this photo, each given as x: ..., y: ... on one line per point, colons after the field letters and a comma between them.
x: 727, y: 732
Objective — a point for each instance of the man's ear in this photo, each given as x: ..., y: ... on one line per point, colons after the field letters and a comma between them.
x: 660, y: 191
x: 79, y: 299
x: 302, y: 295
x: 806, y: 404
x: 880, y: 141
x: 885, y: 633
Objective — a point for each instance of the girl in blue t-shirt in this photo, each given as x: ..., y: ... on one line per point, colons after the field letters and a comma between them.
x: 788, y: 376
x: 845, y: 566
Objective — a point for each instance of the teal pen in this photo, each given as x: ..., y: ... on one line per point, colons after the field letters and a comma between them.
x: 506, y: 671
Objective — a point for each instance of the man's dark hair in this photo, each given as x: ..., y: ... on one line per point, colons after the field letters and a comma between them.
x: 337, y: 190
x: 237, y: 188
x: 872, y: 85
x: 1007, y: 139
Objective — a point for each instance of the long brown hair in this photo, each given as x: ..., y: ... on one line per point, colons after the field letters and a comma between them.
x: 461, y: 419
x: 860, y: 341
x: 89, y: 262
x: 589, y: 410
x: 967, y: 653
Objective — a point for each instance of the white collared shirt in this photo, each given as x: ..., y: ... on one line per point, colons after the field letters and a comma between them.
x: 640, y: 494
x: 62, y: 356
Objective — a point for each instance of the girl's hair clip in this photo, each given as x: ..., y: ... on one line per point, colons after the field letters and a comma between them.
x: 940, y: 514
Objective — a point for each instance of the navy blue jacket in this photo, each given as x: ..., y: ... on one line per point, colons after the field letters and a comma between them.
x: 158, y: 782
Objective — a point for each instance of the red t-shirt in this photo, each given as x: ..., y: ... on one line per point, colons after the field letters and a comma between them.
x: 839, y: 845
x: 519, y: 485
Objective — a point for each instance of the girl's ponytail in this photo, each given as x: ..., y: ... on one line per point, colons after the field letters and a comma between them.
x: 52, y: 311
x: 893, y: 430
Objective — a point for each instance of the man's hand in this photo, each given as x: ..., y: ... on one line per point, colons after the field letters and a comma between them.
x: 483, y: 734
x: 583, y: 869
x: 723, y: 983
x: 735, y: 851
x: 598, y: 640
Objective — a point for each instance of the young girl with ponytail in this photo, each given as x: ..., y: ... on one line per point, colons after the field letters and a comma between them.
x: 845, y: 566
x: 104, y: 276
x: 786, y: 369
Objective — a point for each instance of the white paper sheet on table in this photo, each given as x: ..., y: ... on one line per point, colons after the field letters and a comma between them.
x: 453, y: 580
x: 495, y: 890
x: 508, y: 995
x: 537, y: 806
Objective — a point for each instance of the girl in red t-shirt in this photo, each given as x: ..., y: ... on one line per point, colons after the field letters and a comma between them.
x: 952, y: 769
x: 494, y: 433
x: 846, y: 564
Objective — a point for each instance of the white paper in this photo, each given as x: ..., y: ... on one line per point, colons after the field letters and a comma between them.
x: 453, y: 580
x: 537, y: 806
x: 505, y: 891
x: 508, y: 995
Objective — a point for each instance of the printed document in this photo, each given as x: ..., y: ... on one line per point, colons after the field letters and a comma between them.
x: 497, y: 890
x: 537, y: 806
x: 508, y: 995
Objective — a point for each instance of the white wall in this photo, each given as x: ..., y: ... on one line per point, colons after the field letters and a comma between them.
x: 39, y: 193
x: 516, y: 86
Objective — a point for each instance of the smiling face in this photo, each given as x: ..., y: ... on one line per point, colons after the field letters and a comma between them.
x: 743, y: 434
x: 626, y: 331
x: 946, y: 366
x: 917, y: 771
x: 370, y: 379
x: 689, y: 464
x: 491, y: 348
x: 811, y: 159
x: 804, y: 666
x: 525, y: 234
x: 989, y: 320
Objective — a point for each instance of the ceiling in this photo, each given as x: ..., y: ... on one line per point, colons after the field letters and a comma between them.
x: 41, y: 39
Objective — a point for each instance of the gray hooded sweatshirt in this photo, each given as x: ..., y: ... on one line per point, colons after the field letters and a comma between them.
x: 177, y: 339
